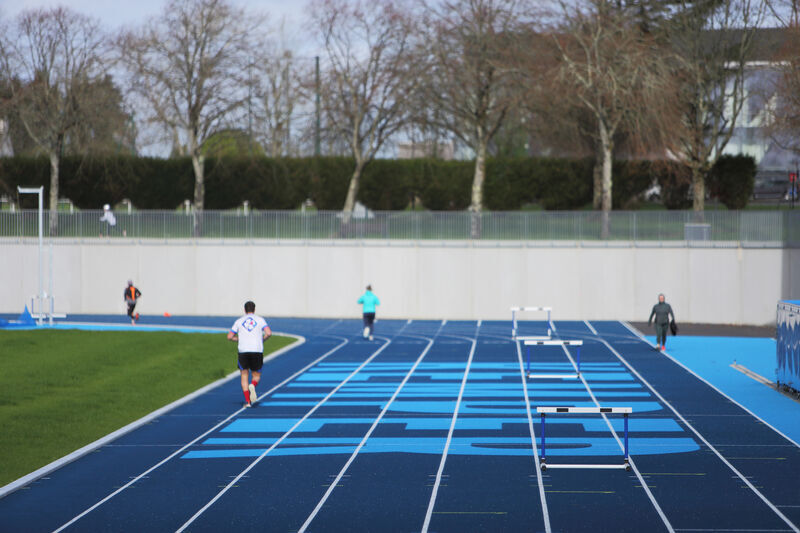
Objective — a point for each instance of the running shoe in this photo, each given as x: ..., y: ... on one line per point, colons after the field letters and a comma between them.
x: 370, y: 337
x: 366, y: 332
x: 137, y: 316
x: 253, y: 396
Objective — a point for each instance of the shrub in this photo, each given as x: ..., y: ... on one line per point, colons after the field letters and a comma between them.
x: 732, y: 179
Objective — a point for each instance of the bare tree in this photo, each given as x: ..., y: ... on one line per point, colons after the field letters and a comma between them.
x: 190, y: 65
x: 783, y: 121
x: 466, y: 84
x: 713, y: 41
x: 370, y: 70
x: 278, y: 91
x: 56, y: 60
x: 615, y: 73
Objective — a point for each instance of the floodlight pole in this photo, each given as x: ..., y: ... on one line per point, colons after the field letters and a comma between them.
x: 40, y: 192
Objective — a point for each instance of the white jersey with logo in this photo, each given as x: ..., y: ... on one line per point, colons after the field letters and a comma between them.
x: 250, y: 330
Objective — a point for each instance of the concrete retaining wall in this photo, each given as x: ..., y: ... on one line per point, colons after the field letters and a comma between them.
x: 715, y: 285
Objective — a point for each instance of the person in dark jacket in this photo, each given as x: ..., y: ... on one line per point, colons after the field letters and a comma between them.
x: 131, y: 296
x: 662, y: 312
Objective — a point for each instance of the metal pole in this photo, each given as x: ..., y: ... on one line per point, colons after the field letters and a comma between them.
x: 625, y: 415
x: 317, y: 150
x: 41, y: 266
x: 250, y: 105
x: 40, y: 192
x: 544, y: 447
x: 529, y: 359
x: 50, y: 284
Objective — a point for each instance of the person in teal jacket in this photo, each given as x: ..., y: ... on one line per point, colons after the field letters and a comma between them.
x: 369, y: 301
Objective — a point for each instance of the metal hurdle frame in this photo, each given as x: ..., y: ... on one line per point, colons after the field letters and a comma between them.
x: 550, y: 326
x: 624, y: 411
x: 555, y: 342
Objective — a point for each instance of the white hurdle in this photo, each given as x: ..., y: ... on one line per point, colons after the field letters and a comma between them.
x: 624, y: 411
x: 554, y: 342
x: 550, y: 326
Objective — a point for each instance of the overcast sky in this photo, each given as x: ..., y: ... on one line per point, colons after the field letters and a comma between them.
x: 116, y: 13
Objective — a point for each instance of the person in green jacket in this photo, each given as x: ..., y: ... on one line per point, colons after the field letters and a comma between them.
x: 369, y: 301
x: 661, y: 311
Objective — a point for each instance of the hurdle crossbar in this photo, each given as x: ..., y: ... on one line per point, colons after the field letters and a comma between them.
x: 554, y: 342
x: 624, y: 411
x: 550, y: 326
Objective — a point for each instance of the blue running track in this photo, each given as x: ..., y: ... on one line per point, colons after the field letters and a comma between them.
x: 432, y: 427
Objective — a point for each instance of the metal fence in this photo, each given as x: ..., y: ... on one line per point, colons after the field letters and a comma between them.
x: 776, y: 229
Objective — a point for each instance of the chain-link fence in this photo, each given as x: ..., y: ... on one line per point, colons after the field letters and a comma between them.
x: 777, y: 229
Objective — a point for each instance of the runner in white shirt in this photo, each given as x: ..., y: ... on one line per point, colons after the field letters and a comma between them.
x: 250, y: 331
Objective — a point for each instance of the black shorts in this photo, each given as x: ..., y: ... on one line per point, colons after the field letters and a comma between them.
x: 251, y: 361
x: 369, y: 319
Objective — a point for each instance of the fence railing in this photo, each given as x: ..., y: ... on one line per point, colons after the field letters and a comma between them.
x: 533, y: 228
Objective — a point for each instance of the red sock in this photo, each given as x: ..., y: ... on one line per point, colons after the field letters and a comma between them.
x: 255, y: 382
x: 246, y: 396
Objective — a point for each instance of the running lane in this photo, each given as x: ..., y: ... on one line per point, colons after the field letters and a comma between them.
x: 748, y: 467
x: 283, y: 489
x: 389, y: 483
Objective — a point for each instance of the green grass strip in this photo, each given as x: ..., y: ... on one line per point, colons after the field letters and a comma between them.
x: 62, y: 389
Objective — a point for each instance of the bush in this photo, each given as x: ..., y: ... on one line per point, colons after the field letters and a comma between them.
x: 631, y: 180
x: 565, y: 184
x: 446, y: 185
x: 284, y: 183
x: 732, y: 179
x: 675, y: 180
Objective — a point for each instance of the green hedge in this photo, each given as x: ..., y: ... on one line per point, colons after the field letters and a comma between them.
x: 267, y: 183
x: 732, y: 179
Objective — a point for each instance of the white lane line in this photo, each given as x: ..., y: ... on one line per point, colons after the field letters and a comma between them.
x: 194, y: 441
x: 631, y: 462
x: 701, y: 437
x: 432, y: 501
x: 539, y: 481
x: 361, y: 444
x: 594, y: 331
x: 283, y: 437
x: 692, y: 372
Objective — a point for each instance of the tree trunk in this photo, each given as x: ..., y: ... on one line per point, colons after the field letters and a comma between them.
x: 698, y: 192
x: 54, y: 165
x: 597, y: 179
x: 352, y: 192
x: 607, y: 149
x: 198, y: 163
x: 476, y: 205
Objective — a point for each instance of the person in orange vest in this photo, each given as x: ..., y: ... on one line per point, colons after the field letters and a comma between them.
x: 131, y: 296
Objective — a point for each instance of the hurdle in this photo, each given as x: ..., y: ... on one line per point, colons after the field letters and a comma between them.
x: 624, y: 411
x: 550, y: 326
x: 555, y: 342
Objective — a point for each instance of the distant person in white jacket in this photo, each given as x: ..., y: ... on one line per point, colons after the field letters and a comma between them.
x: 109, y: 218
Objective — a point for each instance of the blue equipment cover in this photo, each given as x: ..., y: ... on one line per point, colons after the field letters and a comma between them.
x: 788, y: 346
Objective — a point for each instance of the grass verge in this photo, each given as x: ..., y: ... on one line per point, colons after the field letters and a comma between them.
x: 62, y: 389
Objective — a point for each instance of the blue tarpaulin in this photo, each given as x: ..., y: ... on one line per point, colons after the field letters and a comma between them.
x: 788, y: 346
